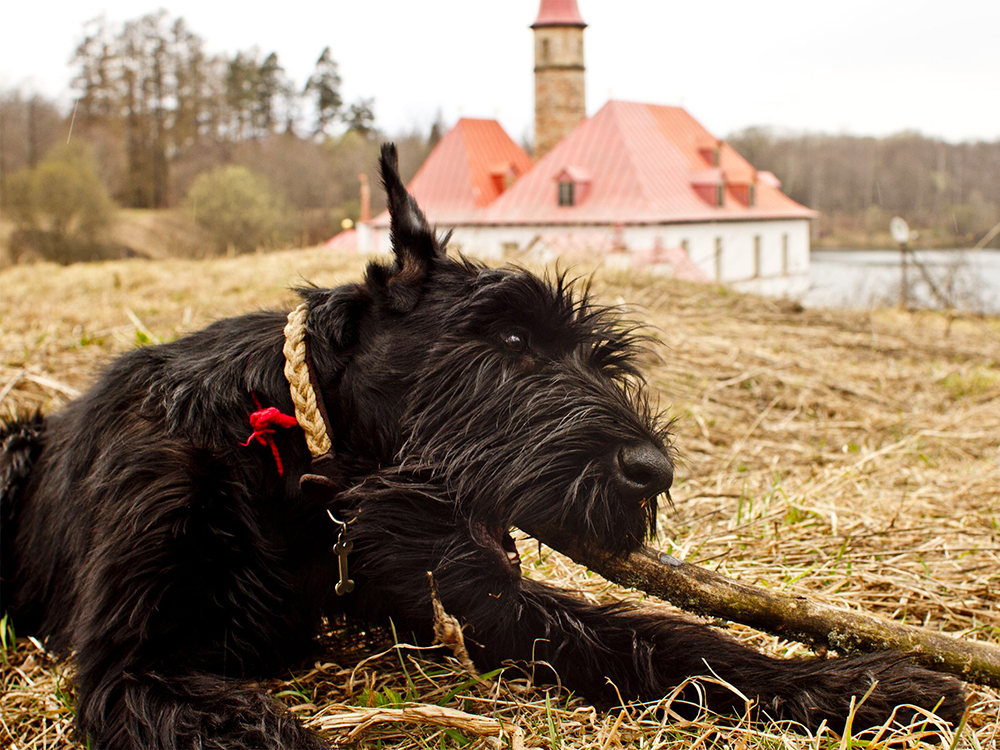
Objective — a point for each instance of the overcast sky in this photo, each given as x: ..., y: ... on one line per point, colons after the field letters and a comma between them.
x: 851, y: 66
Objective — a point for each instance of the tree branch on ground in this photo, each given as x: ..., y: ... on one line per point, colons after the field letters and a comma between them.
x: 703, y: 592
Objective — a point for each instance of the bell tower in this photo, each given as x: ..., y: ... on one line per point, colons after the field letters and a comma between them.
x: 559, y: 73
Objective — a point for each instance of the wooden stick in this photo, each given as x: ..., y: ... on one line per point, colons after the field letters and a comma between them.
x: 359, y: 720
x: 800, y: 619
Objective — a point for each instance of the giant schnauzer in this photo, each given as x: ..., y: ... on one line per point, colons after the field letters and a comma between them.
x: 178, y: 560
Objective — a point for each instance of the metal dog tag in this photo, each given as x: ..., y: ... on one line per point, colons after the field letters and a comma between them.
x: 345, y: 585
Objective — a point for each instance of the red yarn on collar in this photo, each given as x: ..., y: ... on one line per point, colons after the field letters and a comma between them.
x: 264, y: 422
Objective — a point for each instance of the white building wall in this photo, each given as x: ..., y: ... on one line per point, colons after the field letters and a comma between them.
x: 780, y: 272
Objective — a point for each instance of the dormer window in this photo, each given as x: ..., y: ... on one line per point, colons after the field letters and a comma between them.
x: 710, y: 185
x: 711, y: 151
x: 574, y: 184
x: 743, y: 189
x: 565, y: 193
x: 503, y: 176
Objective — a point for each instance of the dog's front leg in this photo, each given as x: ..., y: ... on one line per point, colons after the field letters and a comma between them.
x: 612, y: 652
x: 620, y: 651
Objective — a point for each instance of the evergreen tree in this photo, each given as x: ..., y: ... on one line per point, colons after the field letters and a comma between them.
x: 190, y: 73
x: 98, y: 73
x: 270, y: 87
x: 437, y: 130
x: 324, y: 87
x: 241, y: 88
x: 360, y: 118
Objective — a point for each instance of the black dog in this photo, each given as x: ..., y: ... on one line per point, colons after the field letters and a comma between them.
x: 139, y: 531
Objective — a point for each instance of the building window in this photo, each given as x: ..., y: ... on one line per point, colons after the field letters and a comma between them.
x: 545, y: 50
x: 784, y: 254
x: 751, y: 196
x: 718, y: 259
x: 686, y: 246
x: 719, y: 194
x: 756, y: 255
x: 565, y: 193
x: 509, y: 249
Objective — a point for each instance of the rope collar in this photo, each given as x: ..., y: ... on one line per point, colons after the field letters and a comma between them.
x: 309, y: 411
x: 311, y: 417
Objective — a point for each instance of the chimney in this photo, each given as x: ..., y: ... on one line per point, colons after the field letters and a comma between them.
x: 366, y: 199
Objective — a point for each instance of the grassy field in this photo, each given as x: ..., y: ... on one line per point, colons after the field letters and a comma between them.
x: 851, y: 457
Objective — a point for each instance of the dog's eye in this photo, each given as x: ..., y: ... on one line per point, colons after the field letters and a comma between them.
x: 515, y: 340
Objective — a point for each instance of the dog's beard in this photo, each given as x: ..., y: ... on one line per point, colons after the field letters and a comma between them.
x: 529, y: 450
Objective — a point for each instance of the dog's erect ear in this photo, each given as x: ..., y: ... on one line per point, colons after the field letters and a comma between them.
x: 412, y: 238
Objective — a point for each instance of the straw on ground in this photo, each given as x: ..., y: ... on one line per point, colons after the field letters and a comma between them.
x: 850, y: 457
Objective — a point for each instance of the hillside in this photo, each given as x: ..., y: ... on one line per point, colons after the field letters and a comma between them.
x: 158, y: 234
x: 141, y: 233
x: 853, y: 457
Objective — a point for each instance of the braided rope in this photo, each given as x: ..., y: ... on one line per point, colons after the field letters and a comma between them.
x: 307, y: 412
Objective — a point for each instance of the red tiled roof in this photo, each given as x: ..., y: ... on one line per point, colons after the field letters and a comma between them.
x: 558, y: 13
x: 712, y: 176
x: 769, y: 178
x: 465, y: 172
x: 641, y: 159
x: 576, y: 174
x: 345, y: 240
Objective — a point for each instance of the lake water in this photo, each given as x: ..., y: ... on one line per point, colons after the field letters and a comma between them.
x: 968, y: 279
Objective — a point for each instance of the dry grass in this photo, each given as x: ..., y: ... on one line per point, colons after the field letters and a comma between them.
x: 853, y: 457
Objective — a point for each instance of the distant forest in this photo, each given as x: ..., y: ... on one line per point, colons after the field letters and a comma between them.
x: 948, y: 192
x: 155, y: 111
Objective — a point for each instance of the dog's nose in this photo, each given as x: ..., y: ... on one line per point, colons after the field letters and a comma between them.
x: 641, y: 470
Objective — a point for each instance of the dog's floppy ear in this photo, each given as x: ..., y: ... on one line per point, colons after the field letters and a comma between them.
x: 335, y: 314
x: 412, y: 238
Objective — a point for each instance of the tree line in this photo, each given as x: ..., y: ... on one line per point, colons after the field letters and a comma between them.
x: 161, y: 109
x: 950, y: 192
x: 154, y: 111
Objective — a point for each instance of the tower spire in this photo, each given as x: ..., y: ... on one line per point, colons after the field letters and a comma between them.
x: 560, y: 96
x: 558, y: 13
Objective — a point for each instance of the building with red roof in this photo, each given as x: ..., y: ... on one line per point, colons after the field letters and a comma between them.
x: 645, y: 184
x: 640, y: 164
x: 467, y: 171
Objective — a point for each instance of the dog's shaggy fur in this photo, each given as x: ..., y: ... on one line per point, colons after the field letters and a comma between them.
x: 177, y: 564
